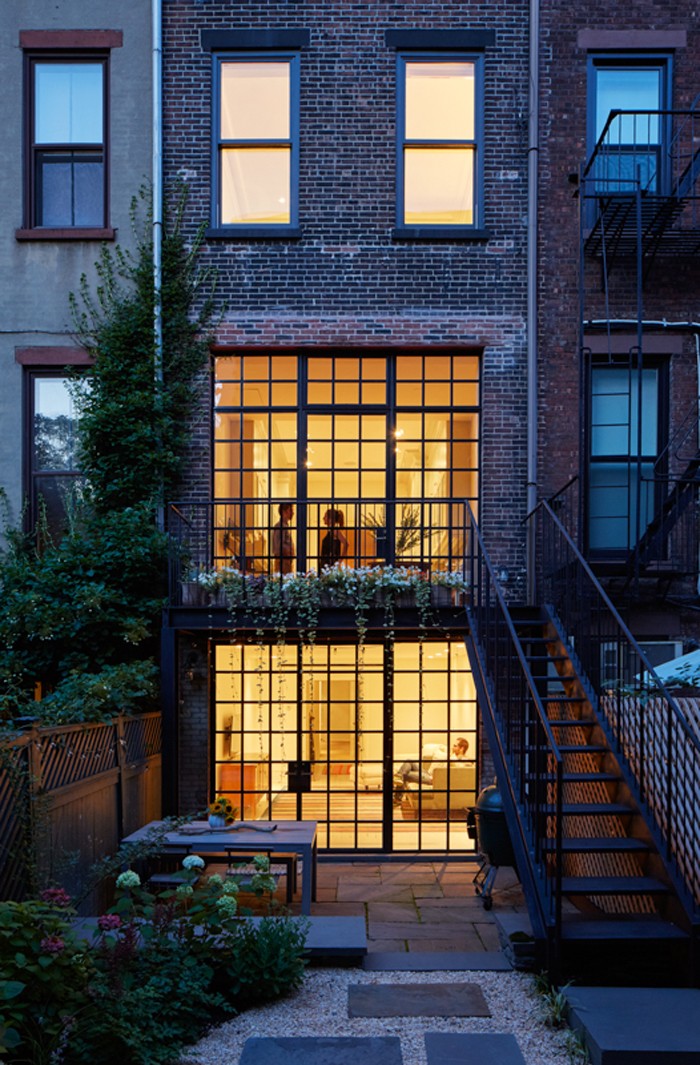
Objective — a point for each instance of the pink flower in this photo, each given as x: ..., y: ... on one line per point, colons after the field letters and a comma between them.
x: 56, y: 896
x: 52, y: 945
x: 108, y: 922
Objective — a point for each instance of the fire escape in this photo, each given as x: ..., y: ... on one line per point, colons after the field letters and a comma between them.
x: 640, y: 208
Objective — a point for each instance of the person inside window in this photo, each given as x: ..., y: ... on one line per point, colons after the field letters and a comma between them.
x: 419, y: 772
x: 334, y: 545
x: 282, y: 540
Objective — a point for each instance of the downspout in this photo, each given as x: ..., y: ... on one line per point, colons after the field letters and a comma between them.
x: 157, y: 208
x: 532, y: 199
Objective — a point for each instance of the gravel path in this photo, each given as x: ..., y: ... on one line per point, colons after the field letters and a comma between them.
x: 320, y: 1008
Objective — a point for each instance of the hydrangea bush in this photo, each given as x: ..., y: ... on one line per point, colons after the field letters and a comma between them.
x: 159, y: 969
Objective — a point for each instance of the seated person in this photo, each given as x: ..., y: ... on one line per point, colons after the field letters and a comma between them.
x: 414, y: 773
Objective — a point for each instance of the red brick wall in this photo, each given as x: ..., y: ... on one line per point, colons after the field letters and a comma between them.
x: 671, y: 292
x: 345, y: 282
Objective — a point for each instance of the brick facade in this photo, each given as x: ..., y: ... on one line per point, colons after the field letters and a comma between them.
x: 345, y: 283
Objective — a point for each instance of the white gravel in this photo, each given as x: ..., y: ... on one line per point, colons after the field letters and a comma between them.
x: 320, y: 1007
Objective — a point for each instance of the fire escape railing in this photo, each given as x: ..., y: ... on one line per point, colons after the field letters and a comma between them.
x: 522, y: 739
x: 656, y: 744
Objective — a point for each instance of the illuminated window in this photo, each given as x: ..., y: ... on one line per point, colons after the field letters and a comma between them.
x: 256, y: 142
x: 438, y: 130
x: 51, y: 448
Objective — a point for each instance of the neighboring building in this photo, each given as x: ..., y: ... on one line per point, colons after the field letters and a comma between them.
x: 619, y: 369
x: 76, y: 110
x: 363, y: 174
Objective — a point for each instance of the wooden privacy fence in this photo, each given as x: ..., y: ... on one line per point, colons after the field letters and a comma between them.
x: 69, y: 794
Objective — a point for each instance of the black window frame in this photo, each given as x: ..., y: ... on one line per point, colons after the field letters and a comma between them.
x: 660, y: 364
x: 258, y: 230
x: 474, y: 230
x: 33, y: 59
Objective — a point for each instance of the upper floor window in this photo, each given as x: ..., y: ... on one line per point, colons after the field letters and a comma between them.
x: 439, y: 133
x: 53, y: 472
x: 632, y: 146
x: 626, y: 437
x: 67, y: 142
x: 256, y: 142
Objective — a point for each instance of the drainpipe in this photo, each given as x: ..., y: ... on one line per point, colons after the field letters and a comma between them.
x: 532, y: 190
x: 157, y: 183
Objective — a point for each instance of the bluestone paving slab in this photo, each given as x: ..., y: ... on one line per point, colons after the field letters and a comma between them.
x: 464, y: 941
x: 392, y: 911
x: 387, y: 945
x: 378, y: 892
x: 427, y: 891
x: 323, y: 1050
x: 407, y: 930
x: 638, y: 1025
x: 473, y: 1048
x: 433, y: 961
x: 416, y: 1000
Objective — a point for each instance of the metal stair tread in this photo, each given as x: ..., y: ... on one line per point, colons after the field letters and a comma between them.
x: 621, y: 928
x: 583, y: 748
x: 613, y: 885
x: 567, y: 722
x: 590, y: 809
x: 598, y: 844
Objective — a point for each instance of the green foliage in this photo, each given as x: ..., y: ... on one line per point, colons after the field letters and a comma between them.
x: 158, y: 972
x: 134, y: 413
x: 82, y: 614
x: 554, y: 1004
x: 267, y: 961
x: 44, y: 972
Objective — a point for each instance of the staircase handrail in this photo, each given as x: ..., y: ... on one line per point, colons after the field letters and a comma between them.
x: 534, y: 839
x: 641, y: 717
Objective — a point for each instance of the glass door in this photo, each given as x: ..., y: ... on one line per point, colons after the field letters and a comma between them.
x: 387, y: 738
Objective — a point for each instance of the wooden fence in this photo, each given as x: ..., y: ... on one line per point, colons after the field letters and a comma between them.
x: 67, y: 797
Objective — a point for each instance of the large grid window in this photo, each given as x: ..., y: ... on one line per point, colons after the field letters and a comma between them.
x: 392, y: 442
x: 67, y: 142
x: 439, y: 129
x: 328, y: 705
x: 256, y: 141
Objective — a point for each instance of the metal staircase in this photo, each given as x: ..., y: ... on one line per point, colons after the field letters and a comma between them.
x: 611, y: 876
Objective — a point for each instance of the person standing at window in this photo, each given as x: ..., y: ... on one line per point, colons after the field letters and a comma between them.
x: 282, y: 541
x: 334, y: 545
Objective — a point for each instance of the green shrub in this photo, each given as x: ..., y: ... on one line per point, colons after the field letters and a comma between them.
x: 266, y: 962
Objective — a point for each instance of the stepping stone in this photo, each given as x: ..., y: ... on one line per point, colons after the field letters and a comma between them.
x: 446, y: 1048
x: 376, y: 1050
x: 416, y: 1000
x: 638, y: 1025
x: 332, y: 937
x: 432, y: 961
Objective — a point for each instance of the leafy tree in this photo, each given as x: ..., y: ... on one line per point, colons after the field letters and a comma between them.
x: 81, y: 613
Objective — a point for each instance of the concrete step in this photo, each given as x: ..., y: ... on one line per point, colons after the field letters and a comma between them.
x: 637, y: 1025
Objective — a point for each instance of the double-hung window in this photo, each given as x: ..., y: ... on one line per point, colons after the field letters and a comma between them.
x: 632, y: 146
x: 626, y: 436
x: 256, y: 143
x: 439, y: 137
x: 67, y: 143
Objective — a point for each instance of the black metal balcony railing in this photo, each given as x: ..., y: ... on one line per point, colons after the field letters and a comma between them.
x: 245, y: 535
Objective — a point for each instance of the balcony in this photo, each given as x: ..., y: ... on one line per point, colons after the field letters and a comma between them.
x: 241, y: 540
x: 640, y: 189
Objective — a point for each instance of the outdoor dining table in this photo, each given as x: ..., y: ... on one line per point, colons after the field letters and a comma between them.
x: 291, y: 837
